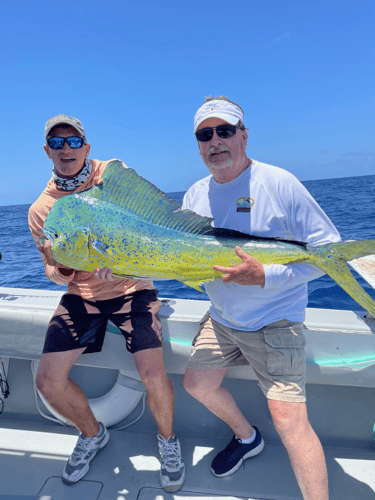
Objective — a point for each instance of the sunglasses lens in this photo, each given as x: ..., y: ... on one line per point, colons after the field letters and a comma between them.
x: 74, y: 142
x: 225, y: 131
x: 204, y: 135
x: 56, y: 142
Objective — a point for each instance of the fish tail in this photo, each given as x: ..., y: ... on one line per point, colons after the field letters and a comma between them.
x: 332, y: 259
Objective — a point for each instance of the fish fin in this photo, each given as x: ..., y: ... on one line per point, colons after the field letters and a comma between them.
x: 125, y: 188
x: 197, y: 285
x: 41, y: 241
x: 123, y: 276
x: 100, y: 247
x: 222, y: 232
x: 131, y: 277
x: 340, y: 272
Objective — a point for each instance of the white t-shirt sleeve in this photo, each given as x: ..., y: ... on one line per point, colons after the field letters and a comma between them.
x: 308, y: 223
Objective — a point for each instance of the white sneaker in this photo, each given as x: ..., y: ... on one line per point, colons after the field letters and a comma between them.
x: 85, y: 450
x: 172, y: 469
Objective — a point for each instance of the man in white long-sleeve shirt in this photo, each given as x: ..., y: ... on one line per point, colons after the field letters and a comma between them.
x: 256, y: 311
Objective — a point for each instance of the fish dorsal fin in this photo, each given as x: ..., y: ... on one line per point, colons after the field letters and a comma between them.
x: 125, y: 188
x: 222, y: 232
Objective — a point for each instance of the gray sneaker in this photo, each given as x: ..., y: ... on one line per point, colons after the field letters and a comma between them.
x: 85, y: 450
x: 172, y: 467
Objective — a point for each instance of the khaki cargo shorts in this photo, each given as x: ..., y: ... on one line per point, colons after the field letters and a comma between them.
x: 276, y: 353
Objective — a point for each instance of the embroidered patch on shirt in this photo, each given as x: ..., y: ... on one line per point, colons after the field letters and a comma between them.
x: 244, y: 204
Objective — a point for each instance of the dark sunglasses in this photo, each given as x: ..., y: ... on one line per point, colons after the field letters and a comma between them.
x: 58, y: 142
x: 223, y: 131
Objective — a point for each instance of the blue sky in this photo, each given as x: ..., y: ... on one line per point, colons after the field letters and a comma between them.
x: 135, y: 73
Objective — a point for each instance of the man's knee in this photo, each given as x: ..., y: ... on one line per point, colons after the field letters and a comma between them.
x: 53, y: 371
x: 150, y: 366
x: 49, y: 380
x: 188, y: 386
x: 288, y: 417
x: 153, y: 375
x: 47, y: 384
x: 193, y: 385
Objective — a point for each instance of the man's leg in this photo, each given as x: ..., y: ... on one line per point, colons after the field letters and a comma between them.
x: 75, y: 324
x: 160, y: 398
x: 216, y: 349
x: 71, y: 402
x: 160, y: 392
x: 206, y: 386
x: 303, y: 447
x: 62, y: 393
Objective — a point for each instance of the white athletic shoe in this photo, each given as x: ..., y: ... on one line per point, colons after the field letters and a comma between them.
x: 85, y: 450
x: 172, y: 469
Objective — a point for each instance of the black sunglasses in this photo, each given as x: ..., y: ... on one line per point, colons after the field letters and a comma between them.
x: 58, y: 142
x: 223, y: 131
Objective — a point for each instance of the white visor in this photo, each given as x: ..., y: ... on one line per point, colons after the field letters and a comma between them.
x: 218, y: 109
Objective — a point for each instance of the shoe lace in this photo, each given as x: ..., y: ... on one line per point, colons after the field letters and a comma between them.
x: 170, y: 454
x: 232, y: 446
x: 82, y: 448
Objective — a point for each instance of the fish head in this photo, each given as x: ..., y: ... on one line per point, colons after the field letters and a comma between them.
x: 70, y: 248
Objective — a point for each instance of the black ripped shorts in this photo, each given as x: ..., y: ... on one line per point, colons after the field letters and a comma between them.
x: 79, y: 322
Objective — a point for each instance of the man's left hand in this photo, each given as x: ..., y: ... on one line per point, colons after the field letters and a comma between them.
x: 249, y: 272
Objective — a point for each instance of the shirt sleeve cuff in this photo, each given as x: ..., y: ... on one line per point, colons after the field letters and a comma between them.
x: 273, y: 275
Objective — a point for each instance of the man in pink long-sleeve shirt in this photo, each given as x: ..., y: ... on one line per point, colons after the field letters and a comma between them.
x: 79, y: 323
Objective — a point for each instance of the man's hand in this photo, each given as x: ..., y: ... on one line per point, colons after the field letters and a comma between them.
x: 46, y: 250
x: 104, y: 274
x: 98, y: 180
x: 249, y: 272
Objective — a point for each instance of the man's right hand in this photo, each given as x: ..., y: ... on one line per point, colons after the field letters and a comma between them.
x: 104, y: 274
x: 46, y: 251
x: 249, y: 272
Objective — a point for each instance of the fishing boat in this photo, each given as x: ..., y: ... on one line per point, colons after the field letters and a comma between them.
x: 35, y: 442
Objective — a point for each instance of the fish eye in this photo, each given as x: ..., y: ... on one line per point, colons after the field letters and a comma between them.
x: 56, y: 235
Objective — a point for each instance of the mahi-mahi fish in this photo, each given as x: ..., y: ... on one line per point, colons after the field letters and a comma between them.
x: 129, y: 225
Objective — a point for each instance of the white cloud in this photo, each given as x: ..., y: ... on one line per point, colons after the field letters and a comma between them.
x: 357, y: 158
x: 280, y: 37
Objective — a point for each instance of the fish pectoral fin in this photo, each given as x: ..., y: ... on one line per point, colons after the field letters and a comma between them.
x: 42, y: 241
x: 197, y: 285
x: 123, y: 276
x: 131, y: 277
x: 100, y: 247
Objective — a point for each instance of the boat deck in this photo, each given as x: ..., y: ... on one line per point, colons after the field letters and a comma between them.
x: 33, y: 452
x: 341, y: 407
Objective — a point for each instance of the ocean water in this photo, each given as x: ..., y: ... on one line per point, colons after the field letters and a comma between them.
x: 349, y: 202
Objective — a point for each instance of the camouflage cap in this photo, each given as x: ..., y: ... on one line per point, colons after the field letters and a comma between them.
x: 68, y: 120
